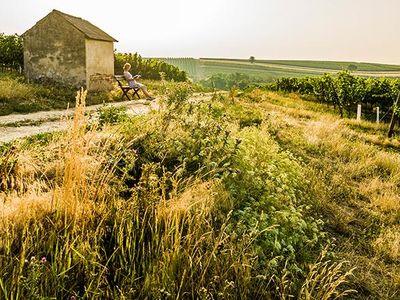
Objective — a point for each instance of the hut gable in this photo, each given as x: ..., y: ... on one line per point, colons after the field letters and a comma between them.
x: 69, y: 50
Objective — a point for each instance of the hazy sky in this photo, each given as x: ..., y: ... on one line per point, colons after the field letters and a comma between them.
x: 350, y: 30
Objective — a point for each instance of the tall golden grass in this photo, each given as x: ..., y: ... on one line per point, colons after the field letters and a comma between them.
x: 324, y: 278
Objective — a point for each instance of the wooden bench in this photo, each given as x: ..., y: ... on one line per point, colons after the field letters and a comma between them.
x: 126, y: 88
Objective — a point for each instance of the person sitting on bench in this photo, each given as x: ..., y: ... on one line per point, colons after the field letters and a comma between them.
x: 133, y: 83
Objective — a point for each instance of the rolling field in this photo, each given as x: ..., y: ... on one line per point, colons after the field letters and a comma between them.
x: 269, y: 70
x: 329, y: 65
x: 264, y: 72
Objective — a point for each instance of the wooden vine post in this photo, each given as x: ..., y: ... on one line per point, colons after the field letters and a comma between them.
x: 393, y: 119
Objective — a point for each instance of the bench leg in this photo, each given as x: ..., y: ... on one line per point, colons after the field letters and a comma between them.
x: 135, y: 92
x: 126, y: 94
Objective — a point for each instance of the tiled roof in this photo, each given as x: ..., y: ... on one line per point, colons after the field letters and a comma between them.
x: 87, y: 28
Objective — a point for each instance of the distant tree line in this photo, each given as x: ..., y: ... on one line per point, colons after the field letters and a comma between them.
x: 227, y: 81
x: 344, y: 90
x: 11, y: 52
x: 148, y: 68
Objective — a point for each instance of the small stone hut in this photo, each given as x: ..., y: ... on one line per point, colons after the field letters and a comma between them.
x: 69, y: 50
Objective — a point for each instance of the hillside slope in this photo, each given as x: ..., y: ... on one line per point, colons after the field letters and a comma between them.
x: 268, y: 70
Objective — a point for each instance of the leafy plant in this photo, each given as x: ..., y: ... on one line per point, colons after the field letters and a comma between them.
x: 268, y: 192
x: 227, y: 81
x: 111, y: 114
x: 250, y: 118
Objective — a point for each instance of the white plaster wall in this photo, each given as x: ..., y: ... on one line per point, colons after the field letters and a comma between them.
x: 99, y: 61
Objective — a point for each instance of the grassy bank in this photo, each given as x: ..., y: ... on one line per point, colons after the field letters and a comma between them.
x: 17, y: 96
x: 250, y: 197
x: 352, y: 168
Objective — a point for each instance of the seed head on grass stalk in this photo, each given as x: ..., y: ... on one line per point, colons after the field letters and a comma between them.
x: 74, y: 170
x: 324, y: 279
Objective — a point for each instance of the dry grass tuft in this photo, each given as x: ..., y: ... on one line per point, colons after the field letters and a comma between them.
x: 74, y: 170
x: 388, y: 244
x: 60, y: 177
x: 21, y: 209
x: 383, y: 194
x: 11, y: 89
x: 17, y: 170
x: 324, y: 279
x: 198, y: 200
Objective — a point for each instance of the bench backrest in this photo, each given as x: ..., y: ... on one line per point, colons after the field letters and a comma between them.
x: 120, y: 79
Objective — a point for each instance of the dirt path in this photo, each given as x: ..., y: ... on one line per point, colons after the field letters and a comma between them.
x: 17, y: 126
x: 13, y: 126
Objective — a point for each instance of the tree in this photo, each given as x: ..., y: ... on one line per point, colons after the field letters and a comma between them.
x: 11, y: 50
x: 252, y: 59
x: 352, y: 67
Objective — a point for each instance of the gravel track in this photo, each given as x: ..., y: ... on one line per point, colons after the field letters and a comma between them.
x: 56, y: 120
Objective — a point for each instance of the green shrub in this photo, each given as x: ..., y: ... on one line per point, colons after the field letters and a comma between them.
x: 227, y: 81
x: 250, y: 118
x: 111, y: 114
x: 178, y: 96
x: 269, y: 193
